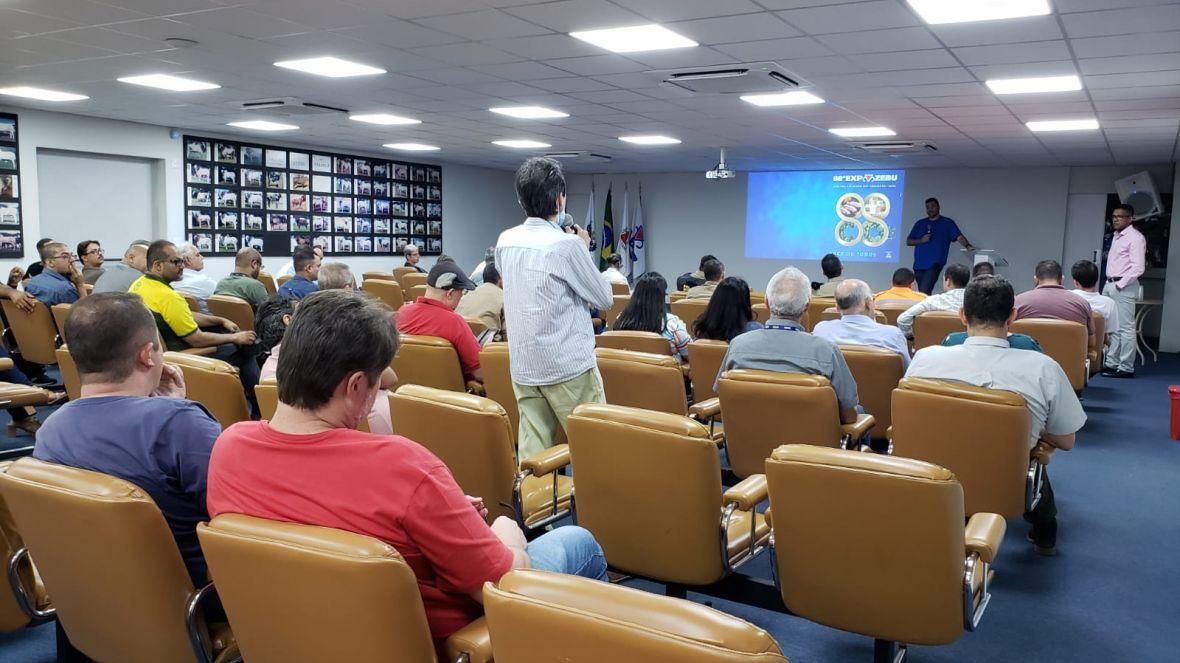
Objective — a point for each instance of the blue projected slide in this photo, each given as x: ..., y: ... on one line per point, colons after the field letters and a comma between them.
x: 855, y: 214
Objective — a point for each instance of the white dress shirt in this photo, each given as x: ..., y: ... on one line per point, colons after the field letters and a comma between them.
x: 550, y: 282
x: 951, y: 300
x: 1105, y: 307
x: 614, y: 276
x: 989, y: 362
x: 863, y: 330
x: 196, y: 284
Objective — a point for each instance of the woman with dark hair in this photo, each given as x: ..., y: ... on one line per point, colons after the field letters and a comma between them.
x: 646, y: 312
x: 729, y: 312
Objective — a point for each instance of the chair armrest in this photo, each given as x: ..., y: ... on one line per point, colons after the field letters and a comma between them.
x: 472, y: 640
x: 547, y: 461
x: 984, y: 533
x: 766, y: 514
x: 6, y: 364
x: 705, y: 410
x: 199, y: 351
x: 859, y: 427
x: 748, y: 493
x: 1043, y: 452
x: 476, y: 388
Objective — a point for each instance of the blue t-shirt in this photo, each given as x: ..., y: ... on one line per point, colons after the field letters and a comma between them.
x: 942, y: 231
x: 298, y: 288
x: 161, y: 445
x: 1015, y: 341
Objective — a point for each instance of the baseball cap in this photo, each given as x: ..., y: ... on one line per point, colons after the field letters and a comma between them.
x: 448, y: 276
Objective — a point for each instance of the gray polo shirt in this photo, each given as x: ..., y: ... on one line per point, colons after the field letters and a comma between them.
x: 784, y: 346
x: 116, y: 277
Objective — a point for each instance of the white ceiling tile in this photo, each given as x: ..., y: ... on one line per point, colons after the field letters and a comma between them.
x: 680, y: 58
x: 1123, y: 21
x: 1114, y: 45
x: 546, y: 47
x: 573, y: 15
x: 733, y: 29
x: 413, y: 9
x: 243, y: 23
x: 1033, y: 51
x: 826, y: 66
x: 454, y: 76
x: 775, y: 49
x: 597, y: 65
x: 84, y: 13
x: 484, y: 25
x: 982, y: 33
x: 850, y: 17
x: 1144, y: 79
x: 1024, y: 69
x: 1130, y: 64
x: 663, y: 11
x: 321, y: 14
x: 881, y: 41
x: 470, y: 53
x: 14, y: 23
x: 571, y: 84
x: 523, y: 71
x: 931, y: 59
x: 400, y: 34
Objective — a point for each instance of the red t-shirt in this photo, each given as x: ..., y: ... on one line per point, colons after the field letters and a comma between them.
x: 430, y: 317
x: 384, y: 486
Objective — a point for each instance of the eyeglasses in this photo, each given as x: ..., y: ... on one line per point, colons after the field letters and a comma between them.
x: 92, y: 252
x: 66, y: 256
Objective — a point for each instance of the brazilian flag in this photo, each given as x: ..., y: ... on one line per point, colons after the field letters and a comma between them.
x: 608, y: 234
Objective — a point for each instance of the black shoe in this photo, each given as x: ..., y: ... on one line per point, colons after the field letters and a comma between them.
x: 1044, y: 548
x: 1119, y: 374
x: 43, y: 381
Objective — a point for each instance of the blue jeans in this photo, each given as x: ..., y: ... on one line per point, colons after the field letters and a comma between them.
x: 571, y: 550
x: 928, y: 278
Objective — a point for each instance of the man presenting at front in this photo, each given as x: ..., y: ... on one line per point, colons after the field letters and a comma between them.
x: 931, y: 238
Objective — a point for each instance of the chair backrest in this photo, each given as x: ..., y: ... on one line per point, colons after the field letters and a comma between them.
x: 214, y: 384
x: 1098, y: 351
x: 35, y: 333
x: 69, y: 372
x: 497, y: 380
x: 107, y: 557
x: 60, y: 313
x: 891, y: 310
x: 677, y: 295
x: 379, y: 276
x: 399, y: 272
x: 933, y: 326
x: 620, y: 289
x: 635, y: 341
x: 833, y: 313
x: 411, y: 279
x: 429, y: 361
x: 268, y: 282
x: 477, y: 326
x: 194, y: 304
x: 649, y: 488
x: 704, y: 361
x: 749, y: 401
x: 979, y: 434
x: 388, y: 292
x: 306, y: 593
x: 877, y: 372
x: 267, y: 395
x: 472, y: 435
x: 688, y: 310
x: 283, y: 279
x: 829, y: 502
x: 538, y: 616
x: 236, y: 309
x: 612, y: 313
x: 415, y: 291
x: 761, y: 312
x: 642, y: 380
x: 815, y: 307
x: 11, y: 615
x: 1066, y: 341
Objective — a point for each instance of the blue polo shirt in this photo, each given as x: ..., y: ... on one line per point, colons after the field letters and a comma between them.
x: 942, y: 231
x: 50, y: 288
x: 298, y: 287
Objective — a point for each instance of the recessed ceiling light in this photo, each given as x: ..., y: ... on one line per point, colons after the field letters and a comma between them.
x: 936, y: 12
x: 635, y: 38
x: 650, y: 140
x: 384, y: 119
x: 263, y: 125
x: 1063, y: 125
x: 330, y: 67
x: 520, y: 144
x: 1032, y: 85
x: 796, y: 98
x: 411, y: 147
x: 41, y: 94
x: 529, y: 112
x: 167, y: 82
x: 862, y: 132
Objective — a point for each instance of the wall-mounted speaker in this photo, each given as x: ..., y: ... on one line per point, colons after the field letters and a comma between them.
x: 1139, y: 191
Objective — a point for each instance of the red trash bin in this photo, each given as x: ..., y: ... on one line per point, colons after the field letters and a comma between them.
x: 1174, y: 396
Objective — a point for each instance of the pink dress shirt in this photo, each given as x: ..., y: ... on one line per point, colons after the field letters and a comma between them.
x: 1126, y: 259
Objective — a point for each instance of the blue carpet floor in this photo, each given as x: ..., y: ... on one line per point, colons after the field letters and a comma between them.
x: 1109, y: 595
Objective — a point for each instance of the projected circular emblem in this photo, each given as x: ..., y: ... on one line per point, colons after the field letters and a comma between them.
x: 875, y: 232
x: 849, y: 205
x: 876, y: 205
x: 848, y: 231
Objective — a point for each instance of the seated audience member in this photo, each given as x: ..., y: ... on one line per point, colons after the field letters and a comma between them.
x: 309, y: 465
x: 693, y: 279
x: 434, y: 315
x: 182, y: 328
x: 986, y: 360
x: 1049, y: 299
x: 729, y: 312
x: 784, y: 346
x: 1085, y: 281
x: 714, y: 271
x: 476, y: 274
x: 118, y: 277
x: 413, y: 255
x: 23, y: 418
x: 646, y: 312
x: 857, y: 326
x: 289, y: 268
x: 133, y: 420
x: 307, y: 270
x: 60, y: 282
x: 486, y: 304
x: 335, y: 276
x: 612, y: 272
x: 35, y: 268
x: 444, y: 258
x: 951, y: 298
x: 91, y: 254
x: 982, y: 269
x: 192, y: 281
x: 243, y: 282
x: 903, y: 290
x: 834, y: 272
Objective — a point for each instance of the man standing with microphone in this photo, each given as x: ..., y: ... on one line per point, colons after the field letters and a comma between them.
x: 1124, y: 265
x: 931, y: 238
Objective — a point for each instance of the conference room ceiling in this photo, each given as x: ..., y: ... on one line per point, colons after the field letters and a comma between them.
x: 875, y: 63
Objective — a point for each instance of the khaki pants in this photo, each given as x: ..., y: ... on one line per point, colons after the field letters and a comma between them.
x: 544, y: 409
x: 1121, y: 353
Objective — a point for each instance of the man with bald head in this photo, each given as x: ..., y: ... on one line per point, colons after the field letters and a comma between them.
x: 243, y: 282
x: 857, y: 326
x: 119, y: 276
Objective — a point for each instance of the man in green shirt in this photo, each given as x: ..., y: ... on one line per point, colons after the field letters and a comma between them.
x: 244, y: 283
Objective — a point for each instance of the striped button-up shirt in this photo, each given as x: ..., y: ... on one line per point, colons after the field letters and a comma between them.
x: 550, y: 282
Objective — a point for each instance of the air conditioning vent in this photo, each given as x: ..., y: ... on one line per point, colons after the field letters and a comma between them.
x: 897, y: 146
x: 750, y: 78
x: 289, y: 106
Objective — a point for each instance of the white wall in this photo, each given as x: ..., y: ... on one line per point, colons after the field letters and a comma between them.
x: 1170, y: 327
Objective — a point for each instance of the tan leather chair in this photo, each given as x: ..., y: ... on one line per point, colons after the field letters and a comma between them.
x: 611, y: 314
x: 1067, y: 342
x: 60, y: 313
x: 877, y: 372
x: 25, y: 603
x: 69, y: 373
x: 388, y: 292
x: 429, y: 361
x: 1097, y: 354
x: 757, y: 297
x: 20, y: 395
x: 688, y: 310
x: 472, y: 435
x: 892, y: 310
x: 415, y: 291
x: 268, y: 282
x: 194, y: 305
x: 117, y: 580
x: 635, y: 341
x: 652, y: 382
x: 931, y: 327
x: 649, y: 488
x: 379, y: 276
x: 288, y: 586
x: 266, y: 393
x: 283, y: 279
x: 235, y: 309
x: 677, y: 295
x: 411, y: 279
x: 753, y: 403
x: 833, y: 313
x: 704, y: 359
x: 35, y: 333
x: 761, y: 312
x: 539, y: 616
x: 477, y: 326
x: 979, y: 434
x: 620, y: 289
x: 837, y: 564
x: 214, y: 384
x: 399, y: 272
x: 815, y: 307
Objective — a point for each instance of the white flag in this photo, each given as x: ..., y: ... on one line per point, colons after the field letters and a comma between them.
x: 636, y: 246
x: 589, y: 225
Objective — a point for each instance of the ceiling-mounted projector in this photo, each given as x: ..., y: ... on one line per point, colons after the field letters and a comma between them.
x: 721, y: 171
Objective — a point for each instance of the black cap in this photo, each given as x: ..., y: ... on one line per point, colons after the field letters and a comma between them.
x: 448, y: 276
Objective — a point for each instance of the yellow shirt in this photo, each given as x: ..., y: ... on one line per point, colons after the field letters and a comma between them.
x: 896, y: 292
x: 168, y: 307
